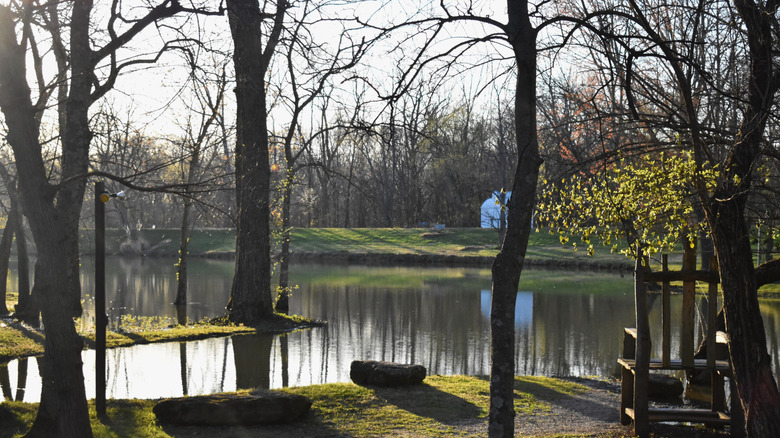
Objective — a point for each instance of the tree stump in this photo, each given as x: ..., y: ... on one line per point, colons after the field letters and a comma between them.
x: 259, y: 407
x: 370, y: 372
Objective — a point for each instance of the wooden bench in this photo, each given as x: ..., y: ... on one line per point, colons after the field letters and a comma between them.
x: 636, y: 363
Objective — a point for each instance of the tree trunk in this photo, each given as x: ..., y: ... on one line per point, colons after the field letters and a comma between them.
x: 53, y: 216
x: 21, y: 379
x: 5, y: 256
x: 755, y: 383
x: 63, y: 410
x: 26, y: 309
x: 283, y: 302
x: 250, y: 296
x: 181, y: 267
x: 509, y: 261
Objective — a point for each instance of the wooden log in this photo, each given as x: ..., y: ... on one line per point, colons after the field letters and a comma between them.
x: 370, y: 372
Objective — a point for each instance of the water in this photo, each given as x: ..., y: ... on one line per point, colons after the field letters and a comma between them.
x: 567, y: 324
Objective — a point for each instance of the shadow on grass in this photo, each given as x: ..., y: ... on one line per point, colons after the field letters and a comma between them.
x: 32, y: 334
x: 309, y: 427
x: 90, y: 343
x: 555, y: 392
x: 426, y: 401
x: 17, y: 419
x: 134, y: 418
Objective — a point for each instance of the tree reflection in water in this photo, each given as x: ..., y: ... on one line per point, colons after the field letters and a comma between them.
x: 567, y: 324
x: 252, y: 358
x: 21, y: 380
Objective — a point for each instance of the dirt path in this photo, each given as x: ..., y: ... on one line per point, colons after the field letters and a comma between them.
x: 595, y: 413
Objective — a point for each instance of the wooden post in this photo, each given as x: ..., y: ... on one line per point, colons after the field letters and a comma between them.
x: 100, y: 301
x: 718, y: 399
x: 642, y: 369
x: 627, y: 376
x: 712, y: 315
x: 689, y: 306
x: 666, y: 315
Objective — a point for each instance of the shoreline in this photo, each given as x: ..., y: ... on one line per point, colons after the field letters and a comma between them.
x: 386, y: 259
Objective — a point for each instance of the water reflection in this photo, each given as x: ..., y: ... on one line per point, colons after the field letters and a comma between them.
x: 139, y: 288
x: 17, y: 371
x: 567, y: 324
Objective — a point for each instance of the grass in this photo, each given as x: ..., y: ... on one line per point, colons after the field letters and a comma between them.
x: 462, y: 241
x: 433, y: 409
x: 202, y: 241
x: 18, y: 341
x: 471, y: 242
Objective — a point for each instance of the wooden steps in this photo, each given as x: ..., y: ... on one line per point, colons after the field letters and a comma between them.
x: 687, y: 415
x: 634, y: 399
x: 722, y: 366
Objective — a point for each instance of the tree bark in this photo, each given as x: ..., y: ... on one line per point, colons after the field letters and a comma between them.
x: 26, y: 309
x: 508, y: 264
x: 250, y: 296
x: 283, y: 301
x: 181, y: 267
x: 5, y: 254
x: 53, y: 210
x: 63, y: 409
x: 755, y: 383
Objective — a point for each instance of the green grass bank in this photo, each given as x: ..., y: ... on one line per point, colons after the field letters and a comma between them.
x: 458, y: 246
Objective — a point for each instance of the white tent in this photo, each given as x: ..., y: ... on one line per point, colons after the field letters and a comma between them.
x: 491, y: 209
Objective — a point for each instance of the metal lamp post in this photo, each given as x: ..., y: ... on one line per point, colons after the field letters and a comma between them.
x: 101, y: 197
x: 101, y: 320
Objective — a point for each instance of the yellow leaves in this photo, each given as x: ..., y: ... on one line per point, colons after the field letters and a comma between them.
x: 650, y: 198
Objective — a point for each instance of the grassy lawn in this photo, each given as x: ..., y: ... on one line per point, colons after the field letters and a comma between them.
x: 473, y: 241
x: 434, y: 409
x: 450, y: 242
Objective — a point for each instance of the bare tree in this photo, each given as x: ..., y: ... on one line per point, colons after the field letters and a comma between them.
x: 306, y: 85
x: 519, y: 37
x: 250, y: 296
x: 53, y: 206
x: 199, y: 137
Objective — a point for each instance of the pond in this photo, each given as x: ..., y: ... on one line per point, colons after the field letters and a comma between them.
x: 567, y: 324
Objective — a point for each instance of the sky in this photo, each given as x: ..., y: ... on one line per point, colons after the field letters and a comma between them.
x: 154, y: 96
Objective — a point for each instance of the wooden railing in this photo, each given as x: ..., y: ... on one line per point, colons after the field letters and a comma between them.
x: 636, y: 362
